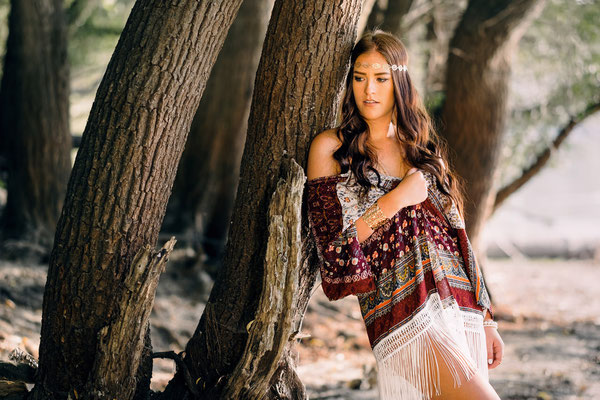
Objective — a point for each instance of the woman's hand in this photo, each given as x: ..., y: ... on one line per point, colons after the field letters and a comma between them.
x: 494, y: 345
x: 413, y: 188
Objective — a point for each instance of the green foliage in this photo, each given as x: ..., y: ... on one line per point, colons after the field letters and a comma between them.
x: 556, y: 74
x: 99, y: 34
x: 4, y: 8
x: 96, y: 36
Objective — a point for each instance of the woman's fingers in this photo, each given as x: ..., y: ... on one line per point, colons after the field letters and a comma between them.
x: 490, y: 351
x: 495, y: 350
x: 498, y: 352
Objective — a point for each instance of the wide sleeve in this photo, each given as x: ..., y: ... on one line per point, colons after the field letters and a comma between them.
x: 442, y: 203
x: 343, y: 266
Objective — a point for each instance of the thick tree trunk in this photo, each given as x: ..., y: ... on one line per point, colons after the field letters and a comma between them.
x: 208, y: 172
x: 303, y: 63
x: 474, y: 110
x: 117, y: 195
x: 34, y: 119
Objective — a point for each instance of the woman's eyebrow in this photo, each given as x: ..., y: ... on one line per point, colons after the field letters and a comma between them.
x: 379, y: 73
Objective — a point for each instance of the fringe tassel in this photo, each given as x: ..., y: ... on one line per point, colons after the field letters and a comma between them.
x: 409, y: 358
x: 475, y: 334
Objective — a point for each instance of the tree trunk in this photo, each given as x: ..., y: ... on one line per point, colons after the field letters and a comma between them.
x: 444, y: 16
x: 388, y: 17
x: 102, y: 268
x: 34, y: 119
x: 296, y: 95
x: 208, y: 172
x: 474, y: 110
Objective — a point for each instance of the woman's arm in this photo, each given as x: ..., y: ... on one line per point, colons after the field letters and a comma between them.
x: 411, y: 190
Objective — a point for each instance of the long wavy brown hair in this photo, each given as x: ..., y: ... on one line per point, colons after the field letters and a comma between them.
x: 414, y: 129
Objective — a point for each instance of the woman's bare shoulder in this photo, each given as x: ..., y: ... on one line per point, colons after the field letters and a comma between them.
x: 320, y: 157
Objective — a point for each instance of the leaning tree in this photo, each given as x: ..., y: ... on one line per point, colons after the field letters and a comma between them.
x: 243, y: 343
x: 103, y: 269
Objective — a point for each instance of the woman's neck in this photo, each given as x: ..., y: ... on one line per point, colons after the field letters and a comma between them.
x: 380, y: 131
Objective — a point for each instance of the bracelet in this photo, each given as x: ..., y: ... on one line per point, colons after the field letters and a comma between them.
x: 491, y: 323
x: 374, y: 217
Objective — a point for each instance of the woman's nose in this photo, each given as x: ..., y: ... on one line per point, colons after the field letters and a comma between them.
x: 370, y: 86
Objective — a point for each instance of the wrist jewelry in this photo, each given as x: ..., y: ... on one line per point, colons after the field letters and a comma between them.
x: 491, y: 323
x: 374, y: 217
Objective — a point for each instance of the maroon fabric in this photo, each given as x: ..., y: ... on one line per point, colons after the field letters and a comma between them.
x: 405, y: 245
x: 344, y: 269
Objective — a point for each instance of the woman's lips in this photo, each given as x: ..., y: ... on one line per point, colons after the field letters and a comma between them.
x: 370, y: 104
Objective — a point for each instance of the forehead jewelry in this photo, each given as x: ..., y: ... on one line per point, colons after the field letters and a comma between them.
x: 393, y: 67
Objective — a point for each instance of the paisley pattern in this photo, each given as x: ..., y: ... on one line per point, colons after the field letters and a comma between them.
x: 348, y: 195
x: 421, y: 249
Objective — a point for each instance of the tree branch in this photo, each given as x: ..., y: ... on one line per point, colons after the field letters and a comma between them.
x: 544, y: 156
x: 416, y: 16
x: 79, y: 12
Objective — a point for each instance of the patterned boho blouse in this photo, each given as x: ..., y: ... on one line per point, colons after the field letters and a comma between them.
x: 420, y: 290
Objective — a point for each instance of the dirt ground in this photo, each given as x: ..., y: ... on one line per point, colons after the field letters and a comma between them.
x: 548, y: 311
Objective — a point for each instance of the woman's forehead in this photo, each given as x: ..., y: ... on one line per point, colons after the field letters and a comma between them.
x: 371, y: 57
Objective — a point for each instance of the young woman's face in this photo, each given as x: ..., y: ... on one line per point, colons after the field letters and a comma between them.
x: 373, y: 88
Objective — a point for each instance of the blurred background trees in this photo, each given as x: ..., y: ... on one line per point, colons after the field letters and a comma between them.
x: 34, y: 121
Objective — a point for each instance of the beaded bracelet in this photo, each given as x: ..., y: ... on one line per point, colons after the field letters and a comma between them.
x: 374, y: 217
x: 491, y: 323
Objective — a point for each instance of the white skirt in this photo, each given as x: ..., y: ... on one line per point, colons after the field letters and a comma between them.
x: 407, y: 367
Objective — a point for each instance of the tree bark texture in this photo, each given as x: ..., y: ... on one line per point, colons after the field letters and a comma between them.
x: 270, y: 330
x: 208, y: 172
x: 304, y: 61
x: 474, y: 110
x: 117, y: 196
x: 34, y: 119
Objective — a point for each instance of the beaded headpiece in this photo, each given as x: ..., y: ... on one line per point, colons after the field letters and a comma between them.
x: 393, y: 67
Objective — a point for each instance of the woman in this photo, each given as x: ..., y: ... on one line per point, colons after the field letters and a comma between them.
x: 385, y: 212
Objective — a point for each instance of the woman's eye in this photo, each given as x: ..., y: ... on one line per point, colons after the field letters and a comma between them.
x: 358, y: 79
x: 382, y: 79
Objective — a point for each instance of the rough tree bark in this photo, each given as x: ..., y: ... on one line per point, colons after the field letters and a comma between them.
x: 34, y: 119
x: 116, y: 198
x: 299, y: 79
x: 474, y: 109
x: 207, y: 175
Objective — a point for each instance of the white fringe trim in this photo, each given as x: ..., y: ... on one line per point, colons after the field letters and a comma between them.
x: 407, y: 366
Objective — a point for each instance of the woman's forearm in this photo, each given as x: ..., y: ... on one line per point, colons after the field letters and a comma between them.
x: 390, y: 203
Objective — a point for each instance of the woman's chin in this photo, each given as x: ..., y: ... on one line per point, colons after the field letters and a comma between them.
x: 369, y: 115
